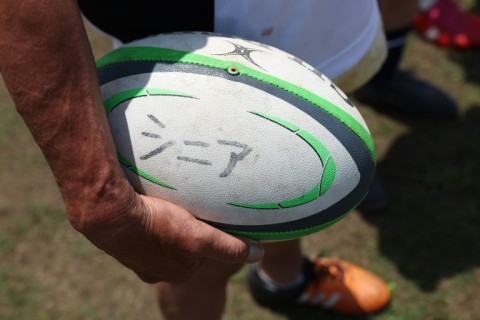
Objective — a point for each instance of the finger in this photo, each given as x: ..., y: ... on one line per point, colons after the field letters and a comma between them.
x: 201, y: 239
x: 160, y: 273
x: 224, y: 247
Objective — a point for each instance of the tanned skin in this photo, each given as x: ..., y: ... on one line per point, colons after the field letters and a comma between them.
x: 397, y: 14
x: 48, y: 67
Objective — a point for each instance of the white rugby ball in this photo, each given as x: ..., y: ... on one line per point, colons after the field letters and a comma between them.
x: 246, y: 137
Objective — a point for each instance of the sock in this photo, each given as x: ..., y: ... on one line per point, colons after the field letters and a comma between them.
x: 269, y: 292
x: 396, y: 44
x: 274, y: 285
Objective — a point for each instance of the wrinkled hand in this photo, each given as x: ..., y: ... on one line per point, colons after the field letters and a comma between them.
x: 160, y: 241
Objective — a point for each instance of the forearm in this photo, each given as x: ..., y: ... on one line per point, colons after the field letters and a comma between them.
x: 48, y: 67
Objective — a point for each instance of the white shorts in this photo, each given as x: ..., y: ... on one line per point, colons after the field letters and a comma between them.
x: 331, y: 35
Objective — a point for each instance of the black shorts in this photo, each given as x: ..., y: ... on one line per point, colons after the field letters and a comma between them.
x: 131, y: 20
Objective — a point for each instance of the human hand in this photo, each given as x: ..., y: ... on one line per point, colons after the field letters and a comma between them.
x: 160, y: 241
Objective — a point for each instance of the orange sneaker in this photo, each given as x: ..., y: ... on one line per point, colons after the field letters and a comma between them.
x: 345, y: 288
x: 331, y: 284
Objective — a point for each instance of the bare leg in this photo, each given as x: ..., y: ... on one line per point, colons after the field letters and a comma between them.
x: 282, y: 261
x: 397, y: 14
x: 202, y: 297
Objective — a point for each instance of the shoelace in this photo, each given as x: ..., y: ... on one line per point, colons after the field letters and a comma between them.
x: 329, y: 269
x: 323, y: 270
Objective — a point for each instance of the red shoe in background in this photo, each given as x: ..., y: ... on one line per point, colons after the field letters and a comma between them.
x: 447, y: 25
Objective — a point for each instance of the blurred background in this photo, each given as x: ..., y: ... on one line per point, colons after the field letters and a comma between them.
x: 426, y: 245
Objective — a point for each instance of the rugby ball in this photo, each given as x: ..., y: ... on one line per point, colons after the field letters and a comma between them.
x: 248, y: 138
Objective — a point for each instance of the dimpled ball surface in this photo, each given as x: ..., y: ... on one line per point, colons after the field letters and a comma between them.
x: 246, y: 137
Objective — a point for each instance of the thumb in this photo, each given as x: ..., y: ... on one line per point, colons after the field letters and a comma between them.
x: 224, y: 247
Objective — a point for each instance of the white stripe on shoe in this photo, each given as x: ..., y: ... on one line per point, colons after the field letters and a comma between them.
x: 320, y: 298
x: 332, y: 301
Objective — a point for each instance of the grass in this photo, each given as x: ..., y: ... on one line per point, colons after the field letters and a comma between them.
x: 426, y: 246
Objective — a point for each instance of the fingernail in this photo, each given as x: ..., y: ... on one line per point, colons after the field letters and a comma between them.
x: 255, y: 253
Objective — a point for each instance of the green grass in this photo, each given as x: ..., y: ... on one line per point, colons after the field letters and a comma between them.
x: 426, y: 246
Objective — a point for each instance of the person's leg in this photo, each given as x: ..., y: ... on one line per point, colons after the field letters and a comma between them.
x: 397, y: 20
x: 394, y: 90
x: 397, y: 14
x: 275, y: 264
x: 202, y: 297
